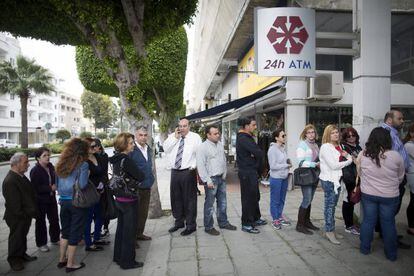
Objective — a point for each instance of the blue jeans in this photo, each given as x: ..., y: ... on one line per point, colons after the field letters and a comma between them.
x: 94, y: 213
x: 307, y: 192
x: 385, y: 208
x: 331, y: 199
x: 219, y: 193
x: 72, y: 220
x: 278, y: 190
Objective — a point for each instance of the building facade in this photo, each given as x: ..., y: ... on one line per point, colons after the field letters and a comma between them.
x: 46, y: 113
x: 372, y: 72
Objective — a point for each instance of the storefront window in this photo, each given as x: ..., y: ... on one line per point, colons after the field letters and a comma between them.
x: 320, y: 117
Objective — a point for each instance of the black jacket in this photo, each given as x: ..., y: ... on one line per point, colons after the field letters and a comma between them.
x: 249, y: 155
x: 349, y: 173
x: 20, y: 197
x: 40, y: 181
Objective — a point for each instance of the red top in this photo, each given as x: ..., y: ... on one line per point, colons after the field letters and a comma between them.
x: 339, y: 148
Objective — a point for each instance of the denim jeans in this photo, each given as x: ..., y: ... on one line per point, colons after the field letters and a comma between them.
x: 384, y: 208
x: 72, y: 220
x: 94, y: 213
x: 331, y: 199
x: 307, y: 192
x: 219, y: 193
x: 278, y: 190
x: 124, y: 248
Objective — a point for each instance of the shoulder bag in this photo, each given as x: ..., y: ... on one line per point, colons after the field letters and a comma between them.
x: 122, y: 185
x: 355, y: 196
x: 84, y: 198
x: 305, y: 176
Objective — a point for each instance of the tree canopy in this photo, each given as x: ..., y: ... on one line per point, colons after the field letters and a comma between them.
x: 162, y: 76
x: 99, y: 108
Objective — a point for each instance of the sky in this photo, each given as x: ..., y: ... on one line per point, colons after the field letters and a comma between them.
x: 60, y: 60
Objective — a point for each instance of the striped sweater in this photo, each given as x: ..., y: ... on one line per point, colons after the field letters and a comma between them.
x: 304, y: 153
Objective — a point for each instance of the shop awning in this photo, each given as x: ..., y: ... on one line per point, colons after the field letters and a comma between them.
x: 233, y: 104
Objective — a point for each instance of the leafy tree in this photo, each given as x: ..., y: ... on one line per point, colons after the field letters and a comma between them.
x: 112, y: 135
x: 63, y: 134
x: 162, y: 77
x: 85, y: 134
x: 102, y: 135
x: 106, y: 26
x: 99, y: 108
x: 22, y: 80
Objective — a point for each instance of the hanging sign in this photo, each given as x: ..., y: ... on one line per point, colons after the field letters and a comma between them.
x: 284, y: 41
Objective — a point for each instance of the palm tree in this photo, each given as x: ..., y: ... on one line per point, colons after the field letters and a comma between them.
x: 21, y: 80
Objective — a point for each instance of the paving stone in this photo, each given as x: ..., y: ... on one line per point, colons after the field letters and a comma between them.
x: 182, y: 254
x: 218, y: 266
x: 213, y: 253
x: 182, y: 268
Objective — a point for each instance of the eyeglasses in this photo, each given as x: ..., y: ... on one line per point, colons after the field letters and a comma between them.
x: 310, y: 132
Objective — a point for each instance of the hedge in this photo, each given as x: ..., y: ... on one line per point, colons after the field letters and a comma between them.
x: 6, y: 154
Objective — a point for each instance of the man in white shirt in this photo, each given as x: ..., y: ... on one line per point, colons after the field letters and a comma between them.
x: 142, y: 156
x: 181, y: 147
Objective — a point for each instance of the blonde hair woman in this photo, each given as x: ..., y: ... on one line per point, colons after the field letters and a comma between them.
x: 332, y: 159
x: 307, y: 155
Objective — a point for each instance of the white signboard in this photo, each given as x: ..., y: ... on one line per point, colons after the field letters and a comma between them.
x: 284, y: 41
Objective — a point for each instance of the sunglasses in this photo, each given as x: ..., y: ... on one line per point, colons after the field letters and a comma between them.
x: 284, y: 135
x: 351, y: 135
x: 93, y: 146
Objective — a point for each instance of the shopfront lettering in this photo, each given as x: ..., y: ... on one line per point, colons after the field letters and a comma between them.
x: 280, y: 64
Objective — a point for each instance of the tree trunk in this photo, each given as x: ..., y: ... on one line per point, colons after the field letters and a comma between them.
x: 23, y: 102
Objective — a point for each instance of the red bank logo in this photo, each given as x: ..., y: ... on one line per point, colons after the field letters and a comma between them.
x: 288, y: 37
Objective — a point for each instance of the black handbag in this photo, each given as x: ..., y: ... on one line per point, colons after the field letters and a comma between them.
x: 305, y: 176
x: 109, y: 210
x: 84, y: 198
x: 123, y: 185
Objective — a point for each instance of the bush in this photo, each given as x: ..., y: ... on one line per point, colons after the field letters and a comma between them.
x: 63, y: 134
x: 6, y: 154
x: 108, y: 143
x: 112, y: 135
x: 102, y: 135
x: 55, y: 148
x: 85, y: 134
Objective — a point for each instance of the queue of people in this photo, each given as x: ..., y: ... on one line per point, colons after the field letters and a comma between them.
x: 382, y: 170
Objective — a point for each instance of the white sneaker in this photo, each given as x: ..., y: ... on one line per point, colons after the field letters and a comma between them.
x: 44, y: 248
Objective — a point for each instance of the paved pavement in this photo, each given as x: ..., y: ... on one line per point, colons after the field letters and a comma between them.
x: 272, y: 252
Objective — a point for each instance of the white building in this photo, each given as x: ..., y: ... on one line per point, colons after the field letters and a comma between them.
x: 372, y: 78
x: 59, y: 110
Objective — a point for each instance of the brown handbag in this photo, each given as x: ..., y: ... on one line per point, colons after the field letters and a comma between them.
x: 355, y: 196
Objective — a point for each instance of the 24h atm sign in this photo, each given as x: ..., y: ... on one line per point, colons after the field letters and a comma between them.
x: 285, y: 42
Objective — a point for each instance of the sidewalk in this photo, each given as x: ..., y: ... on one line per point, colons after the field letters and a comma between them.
x: 272, y: 252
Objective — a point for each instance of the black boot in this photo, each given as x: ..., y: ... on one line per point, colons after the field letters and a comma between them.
x: 308, y: 223
x: 300, y: 226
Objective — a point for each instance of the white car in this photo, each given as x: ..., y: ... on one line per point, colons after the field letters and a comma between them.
x: 4, y: 143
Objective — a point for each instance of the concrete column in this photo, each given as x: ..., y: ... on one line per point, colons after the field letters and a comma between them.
x: 372, y: 69
x: 295, y: 113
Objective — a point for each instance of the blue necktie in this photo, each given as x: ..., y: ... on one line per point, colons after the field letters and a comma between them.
x: 179, y: 157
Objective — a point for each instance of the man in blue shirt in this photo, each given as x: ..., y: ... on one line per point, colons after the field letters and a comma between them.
x: 393, y: 122
x: 142, y: 157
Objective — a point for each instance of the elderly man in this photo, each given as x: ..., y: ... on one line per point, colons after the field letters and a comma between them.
x: 142, y: 156
x: 20, y: 198
x: 182, y: 146
x: 212, y: 168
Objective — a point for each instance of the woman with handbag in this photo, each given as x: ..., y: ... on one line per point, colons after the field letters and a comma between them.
x: 381, y: 170
x: 350, y: 143
x: 307, y: 155
x: 124, y: 249
x: 333, y: 159
x: 96, y: 178
x: 279, y: 166
x: 71, y: 169
x: 409, y: 146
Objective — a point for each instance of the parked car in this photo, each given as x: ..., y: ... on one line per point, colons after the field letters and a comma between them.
x: 4, y: 143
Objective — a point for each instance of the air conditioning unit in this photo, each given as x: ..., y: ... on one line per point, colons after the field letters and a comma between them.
x: 326, y: 85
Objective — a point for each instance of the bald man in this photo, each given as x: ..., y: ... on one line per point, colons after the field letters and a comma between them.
x: 181, y: 146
